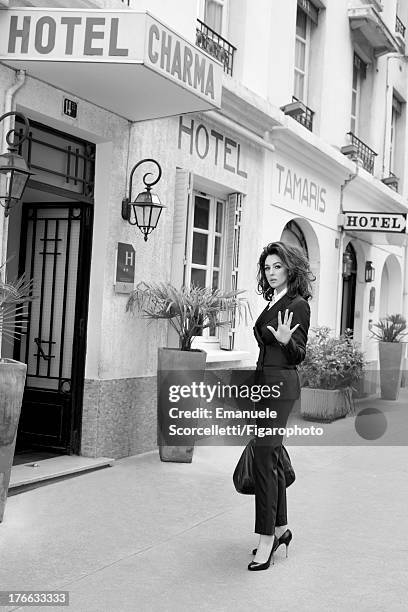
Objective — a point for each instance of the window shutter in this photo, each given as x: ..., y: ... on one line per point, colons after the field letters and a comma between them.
x: 234, y: 211
x: 182, y: 199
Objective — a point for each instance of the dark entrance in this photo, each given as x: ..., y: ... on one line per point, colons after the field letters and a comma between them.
x: 55, y: 250
x: 349, y: 288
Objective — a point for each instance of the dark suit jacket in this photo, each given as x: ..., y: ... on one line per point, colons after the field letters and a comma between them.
x: 277, y: 360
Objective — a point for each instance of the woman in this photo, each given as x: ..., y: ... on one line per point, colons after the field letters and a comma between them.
x: 284, y: 279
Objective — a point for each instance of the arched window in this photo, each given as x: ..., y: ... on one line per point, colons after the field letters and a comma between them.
x: 292, y: 234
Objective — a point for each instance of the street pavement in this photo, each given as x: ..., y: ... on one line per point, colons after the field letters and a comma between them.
x: 150, y: 536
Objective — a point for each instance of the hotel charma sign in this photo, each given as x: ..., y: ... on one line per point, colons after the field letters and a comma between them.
x: 375, y: 222
x: 124, y: 37
x: 180, y: 60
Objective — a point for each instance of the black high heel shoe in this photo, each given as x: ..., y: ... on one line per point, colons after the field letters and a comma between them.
x: 256, y: 567
x: 285, y: 538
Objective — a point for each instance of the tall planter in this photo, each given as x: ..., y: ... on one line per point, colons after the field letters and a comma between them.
x: 186, y: 365
x: 390, y: 368
x: 12, y: 380
x: 325, y: 405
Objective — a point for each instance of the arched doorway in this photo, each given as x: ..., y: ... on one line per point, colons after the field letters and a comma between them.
x: 349, y: 288
x: 292, y: 234
x: 299, y: 232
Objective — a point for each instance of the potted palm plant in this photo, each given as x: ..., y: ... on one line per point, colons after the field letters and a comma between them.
x: 389, y: 332
x: 330, y: 369
x: 189, y: 310
x: 13, y: 296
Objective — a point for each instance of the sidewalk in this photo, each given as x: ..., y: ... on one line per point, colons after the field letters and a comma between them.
x: 151, y: 536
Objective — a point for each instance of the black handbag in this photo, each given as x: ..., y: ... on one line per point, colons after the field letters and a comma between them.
x: 243, y: 476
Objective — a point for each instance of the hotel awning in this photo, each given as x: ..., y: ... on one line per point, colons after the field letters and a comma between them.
x: 124, y: 61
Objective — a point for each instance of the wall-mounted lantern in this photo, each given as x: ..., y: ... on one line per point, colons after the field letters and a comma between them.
x: 347, y: 264
x: 13, y: 165
x: 146, y: 209
x: 369, y: 272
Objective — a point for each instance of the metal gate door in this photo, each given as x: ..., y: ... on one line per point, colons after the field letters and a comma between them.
x: 57, y: 256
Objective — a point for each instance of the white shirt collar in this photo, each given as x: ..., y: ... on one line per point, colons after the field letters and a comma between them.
x: 277, y: 296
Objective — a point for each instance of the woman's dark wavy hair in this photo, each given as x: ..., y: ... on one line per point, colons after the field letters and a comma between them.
x: 300, y: 276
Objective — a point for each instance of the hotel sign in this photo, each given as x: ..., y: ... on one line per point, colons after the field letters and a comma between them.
x: 297, y: 187
x: 207, y: 143
x: 183, y: 62
x: 125, y: 268
x: 123, y: 37
x: 375, y: 222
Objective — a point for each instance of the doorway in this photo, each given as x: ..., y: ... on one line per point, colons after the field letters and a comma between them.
x: 53, y: 229
x: 55, y: 253
x: 349, y: 288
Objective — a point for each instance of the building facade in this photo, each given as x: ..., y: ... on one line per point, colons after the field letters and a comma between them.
x: 269, y: 122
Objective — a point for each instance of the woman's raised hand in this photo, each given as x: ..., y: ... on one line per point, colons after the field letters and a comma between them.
x: 283, y: 334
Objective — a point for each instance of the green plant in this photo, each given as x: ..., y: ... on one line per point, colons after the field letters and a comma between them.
x: 13, y: 297
x: 390, y: 328
x: 189, y: 310
x: 330, y: 362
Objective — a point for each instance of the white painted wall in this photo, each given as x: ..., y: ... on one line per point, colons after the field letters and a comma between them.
x: 264, y: 33
x: 160, y: 139
x: 120, y: 346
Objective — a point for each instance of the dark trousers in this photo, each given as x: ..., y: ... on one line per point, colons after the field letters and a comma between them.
x: 270, y: 485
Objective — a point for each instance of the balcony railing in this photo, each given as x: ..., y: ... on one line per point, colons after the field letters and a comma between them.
x: 399, y: 27
x: 364, y: 152
x: 208, y: 40
x: 306, y: 117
